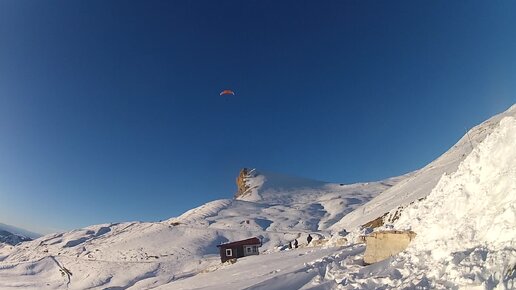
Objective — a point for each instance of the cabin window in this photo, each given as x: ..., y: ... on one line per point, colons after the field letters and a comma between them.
x: 248, y: 249
x: 255, y: 249
x: 229, y: 252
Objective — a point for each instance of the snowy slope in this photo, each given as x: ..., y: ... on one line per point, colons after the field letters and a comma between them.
x: 135, y: 254
x: 181, y: 253
x: 469, y: 219
x: 465, y: 227
x: 420, y: 183
x: 285, y: 203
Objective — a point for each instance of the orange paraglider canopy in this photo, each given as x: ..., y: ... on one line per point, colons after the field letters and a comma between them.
x: 227, y: 92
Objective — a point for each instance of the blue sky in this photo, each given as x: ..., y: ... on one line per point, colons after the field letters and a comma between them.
x: 109, y: 110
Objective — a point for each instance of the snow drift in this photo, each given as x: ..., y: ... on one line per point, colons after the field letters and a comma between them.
x: 420, y: 183
x: 465, y: 228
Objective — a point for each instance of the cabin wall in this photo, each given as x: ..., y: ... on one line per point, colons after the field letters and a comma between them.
x: 224, y: 257
x: 253, y: 250
x: 239, y: 251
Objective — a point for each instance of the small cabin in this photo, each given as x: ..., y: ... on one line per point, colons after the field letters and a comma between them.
x: 239, y: 249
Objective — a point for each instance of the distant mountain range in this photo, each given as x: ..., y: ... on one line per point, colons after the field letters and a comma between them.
x: 14, y: 235
x: 12, y: 239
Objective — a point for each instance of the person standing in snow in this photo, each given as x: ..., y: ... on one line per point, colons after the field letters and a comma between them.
x: 308, y: 239
x: 290, y: 245
x: 295, y: 243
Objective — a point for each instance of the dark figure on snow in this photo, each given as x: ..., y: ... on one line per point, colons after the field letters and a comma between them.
x: 290, y: 245
x: 308, y: 239
x: 295, y: 243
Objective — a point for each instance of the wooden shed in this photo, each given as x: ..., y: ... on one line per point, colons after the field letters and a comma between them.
x: 239, y: 249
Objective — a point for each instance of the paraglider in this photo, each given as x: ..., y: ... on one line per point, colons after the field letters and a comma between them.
x: 227, y: 92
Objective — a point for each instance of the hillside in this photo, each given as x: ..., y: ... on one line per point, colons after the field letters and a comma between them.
x: 9, y: 238
x: 19, y: 231
x: 11, y: 235
x: 421, y: 182
x: 122, y: 254
x: 465, y: 227
x: 471, y: 186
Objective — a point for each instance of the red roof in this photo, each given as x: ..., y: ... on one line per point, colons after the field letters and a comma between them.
x: 251, y: 241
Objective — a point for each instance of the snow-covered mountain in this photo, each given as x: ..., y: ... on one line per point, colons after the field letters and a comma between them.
x: 11, y: 235
x: 420, y: 183
x: 12, y: 239
x: 181, y: 253
x: 19, y: 231
x: 280, y: 203
x: 465, y: 224
x: 124, y: 254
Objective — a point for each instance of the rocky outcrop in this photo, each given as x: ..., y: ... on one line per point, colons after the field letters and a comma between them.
x: 242, y: 186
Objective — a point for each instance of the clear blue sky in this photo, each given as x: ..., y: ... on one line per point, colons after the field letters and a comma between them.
x: 110, y: 110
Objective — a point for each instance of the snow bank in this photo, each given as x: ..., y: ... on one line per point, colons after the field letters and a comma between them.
x: 466, y: 226
x: 419, y: 184
x: 475, y: 205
